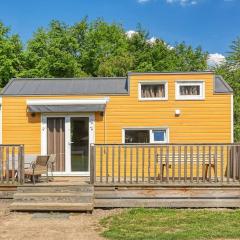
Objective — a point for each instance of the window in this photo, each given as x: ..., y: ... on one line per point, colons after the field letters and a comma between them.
x: 145, y: 136
x: 153, y: 91
x: 137, y: 136
x: 159, y: 136
x: 190, y: 90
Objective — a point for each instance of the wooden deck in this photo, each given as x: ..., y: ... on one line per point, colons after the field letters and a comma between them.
x: 168, y: 196
x: 64, y: 194
x: 179, y: 176
x: 159, y: 164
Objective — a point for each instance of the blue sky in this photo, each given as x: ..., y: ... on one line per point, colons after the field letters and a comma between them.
x: 213, y: 24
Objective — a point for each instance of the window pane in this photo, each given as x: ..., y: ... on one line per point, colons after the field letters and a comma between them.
x: 137, y: 136
x: 153, y: 91
x: 159, y: 135
x: 190, y: 90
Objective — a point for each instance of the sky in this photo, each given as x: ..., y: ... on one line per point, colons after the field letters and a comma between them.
x: 213, y: 24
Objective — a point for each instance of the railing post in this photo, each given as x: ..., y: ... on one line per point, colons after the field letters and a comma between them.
x: 1, y: 165
x: 92, y: 164
x: 21, y: 164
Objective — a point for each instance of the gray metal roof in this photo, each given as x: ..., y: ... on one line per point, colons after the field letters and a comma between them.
x: 221, y: 86
x: 82, y: 86
x: 66, y: 86
x: 170, y: 73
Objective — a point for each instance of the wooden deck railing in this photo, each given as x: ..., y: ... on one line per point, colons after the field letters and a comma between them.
x: 165, y: 164
x: 11, y: 164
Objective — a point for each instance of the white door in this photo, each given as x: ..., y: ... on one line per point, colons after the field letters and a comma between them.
x: 79, y: 135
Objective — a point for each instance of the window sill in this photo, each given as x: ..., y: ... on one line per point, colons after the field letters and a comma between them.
x: 190, y: 99
x: 152, y: 99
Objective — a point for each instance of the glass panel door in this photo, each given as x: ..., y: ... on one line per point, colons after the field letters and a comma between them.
x: 79, y: 144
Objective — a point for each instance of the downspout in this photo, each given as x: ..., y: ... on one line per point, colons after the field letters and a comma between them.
x: 105, y: 122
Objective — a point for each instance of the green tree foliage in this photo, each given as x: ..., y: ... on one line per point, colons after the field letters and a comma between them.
x: 10, y: 55
x: 102, y: 49
x: 53, y: 52
x: 230, y: 71
x: 234, y: 55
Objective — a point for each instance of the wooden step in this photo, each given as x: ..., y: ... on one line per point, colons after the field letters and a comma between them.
x: 65, y: 188
x: 53, y: 197
x: 51, y: 206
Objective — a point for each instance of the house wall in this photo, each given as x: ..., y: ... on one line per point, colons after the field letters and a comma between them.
x: 201, y: 121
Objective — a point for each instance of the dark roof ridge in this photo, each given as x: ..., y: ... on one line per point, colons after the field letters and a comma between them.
x: 60, y: 78
x: 173, y: 72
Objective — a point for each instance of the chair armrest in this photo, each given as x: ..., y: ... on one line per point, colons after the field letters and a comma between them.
x: 33, y: 164
x: 50, y: 166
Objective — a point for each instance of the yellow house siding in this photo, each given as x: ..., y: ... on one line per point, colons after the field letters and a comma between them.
x: 201, y: 121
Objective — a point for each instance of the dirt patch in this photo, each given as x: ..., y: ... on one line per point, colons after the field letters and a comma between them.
x: 53, y: 226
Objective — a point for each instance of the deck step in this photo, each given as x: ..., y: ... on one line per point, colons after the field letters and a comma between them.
x: 53, y: 198
x: 52, y: 206
x: 49, y: 188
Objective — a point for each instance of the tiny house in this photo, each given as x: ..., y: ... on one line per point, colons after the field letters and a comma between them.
x: 65, y: 116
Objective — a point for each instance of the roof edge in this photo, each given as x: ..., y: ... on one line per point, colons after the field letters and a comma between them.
x: 170, y: 73
x: 76, y: 78
x: 7, y: 86
x: 227, y: 86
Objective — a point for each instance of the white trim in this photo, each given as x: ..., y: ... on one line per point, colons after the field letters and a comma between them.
x: 1, y: 126
x: 232, y: 119
x: 67, y: 101
x: 67, y: 117
x: 43, y: 134
x: 140, y: 83
x: 67, y: 144
x: 200, y: 83
x: 151, y: 129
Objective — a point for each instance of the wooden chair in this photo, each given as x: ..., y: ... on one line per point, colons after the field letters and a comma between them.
x: 37, y: 168
x: 51, y: 162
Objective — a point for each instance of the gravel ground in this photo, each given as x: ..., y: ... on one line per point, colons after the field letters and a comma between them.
x: 51, y: 226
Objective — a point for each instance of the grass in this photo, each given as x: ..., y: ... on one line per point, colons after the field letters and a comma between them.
x: 172, y: 224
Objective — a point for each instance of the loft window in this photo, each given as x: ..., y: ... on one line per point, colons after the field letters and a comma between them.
x: 153, y: 91
x: 145, y: 136
x: 190, y: 90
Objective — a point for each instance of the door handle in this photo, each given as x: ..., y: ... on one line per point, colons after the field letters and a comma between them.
x: 71, y: 142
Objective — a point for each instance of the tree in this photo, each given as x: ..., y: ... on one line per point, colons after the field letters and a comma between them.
x: 92, y: 49
x: 53, y: 52
x: 105, y: 50
x: 10, y: 55
x: 234, y: 55
x: 230, y: 70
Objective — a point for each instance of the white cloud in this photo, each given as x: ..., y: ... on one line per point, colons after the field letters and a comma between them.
x: 152, y: 40
x: 130, y: 33
x: 215, y: 59
x: 183, y: 2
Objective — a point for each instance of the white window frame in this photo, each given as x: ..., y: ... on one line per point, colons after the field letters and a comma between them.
x: 151, y: 137
x: 153, y: 83
x: 67, y: 117
x: 187, y: 83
